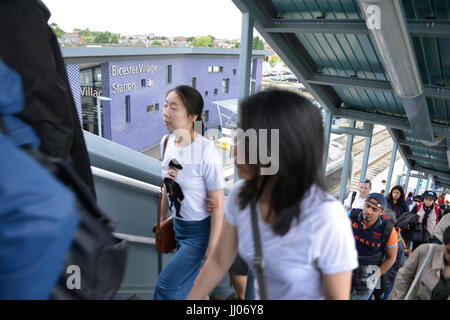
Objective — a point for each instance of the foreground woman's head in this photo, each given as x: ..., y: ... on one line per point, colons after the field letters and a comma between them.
x: 299, y: 147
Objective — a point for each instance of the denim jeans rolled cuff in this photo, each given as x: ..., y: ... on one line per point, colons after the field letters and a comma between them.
x: 177, y: 278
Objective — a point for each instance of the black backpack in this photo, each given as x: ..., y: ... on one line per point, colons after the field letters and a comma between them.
x: 99, y: 256
x: 96, y: 253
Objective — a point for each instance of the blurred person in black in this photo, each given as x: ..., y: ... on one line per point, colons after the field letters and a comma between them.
x: 29, y: 46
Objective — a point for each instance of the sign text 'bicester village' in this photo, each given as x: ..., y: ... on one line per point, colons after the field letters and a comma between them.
x: 117, y: 71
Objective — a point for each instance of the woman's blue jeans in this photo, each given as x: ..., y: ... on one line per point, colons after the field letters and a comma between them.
x: 177, y: 278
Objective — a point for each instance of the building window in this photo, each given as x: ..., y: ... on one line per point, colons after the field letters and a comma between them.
x: 152, y: 108
x: 169, y: 74
x: 215, y: 69
x: 215, y: 91
x: 127, y: 109
x: 206, y: 93
x: 225, y: 85
x: 234, y: 72
x: 206, y: 116
x: 194, y: 82
x: 143, y: 83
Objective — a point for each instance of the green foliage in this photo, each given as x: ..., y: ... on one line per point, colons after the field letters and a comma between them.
x: 258, y: 44
x: 57, y: 30
x: 204, y: 41
x: 84, y: 33
x: 106, y: 37
x: 156, y: 43
x: 190, y: 39
x: 273, y: 61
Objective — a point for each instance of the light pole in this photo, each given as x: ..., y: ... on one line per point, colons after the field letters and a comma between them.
x: 99, y: 114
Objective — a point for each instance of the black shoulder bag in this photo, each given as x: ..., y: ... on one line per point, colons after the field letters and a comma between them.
x: 100, y: 256
x: 258, y: 262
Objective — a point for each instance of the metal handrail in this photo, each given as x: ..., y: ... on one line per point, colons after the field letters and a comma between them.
x: 125, y: 180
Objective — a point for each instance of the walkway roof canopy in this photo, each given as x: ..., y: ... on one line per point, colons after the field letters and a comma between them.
x: 384, y: 62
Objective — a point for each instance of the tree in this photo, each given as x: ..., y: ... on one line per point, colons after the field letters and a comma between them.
x: 57, y: 30
x: 106, y: 37
x: 190, y: 39
x: 273, y: 61
x: 258, y: 44
x: 84, y: 33
x: 204, y: 41
x: 156, y: 43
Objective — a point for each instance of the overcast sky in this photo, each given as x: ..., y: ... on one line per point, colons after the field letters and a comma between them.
x: 219, y: 18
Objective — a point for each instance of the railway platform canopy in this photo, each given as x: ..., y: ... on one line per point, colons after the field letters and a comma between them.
x: 382, y: 62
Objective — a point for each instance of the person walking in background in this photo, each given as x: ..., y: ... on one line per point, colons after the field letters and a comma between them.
x: 416, y: 200
x: 429, y: 214
x: 396, y: 201
x: 409, y: 199
x: 196, y: 229
x: 356, y: 199
x: 376, y: 242
x: 418, y: 226
x: 426, y: 274
x: 307, y: 245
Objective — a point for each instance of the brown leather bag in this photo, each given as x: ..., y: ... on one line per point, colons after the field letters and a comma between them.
x: 164, y: 234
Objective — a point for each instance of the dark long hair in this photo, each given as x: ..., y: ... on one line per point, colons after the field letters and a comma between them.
x: 401, y: 200
x: 193, y: 101
x: 300, y: 151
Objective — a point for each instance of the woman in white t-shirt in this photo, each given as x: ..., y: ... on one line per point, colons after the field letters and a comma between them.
x: 306, y: 237
x: 192, y: 170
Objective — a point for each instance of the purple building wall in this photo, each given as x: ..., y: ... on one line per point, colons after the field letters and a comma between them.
x: 146, y: 129
x: 73, y: 73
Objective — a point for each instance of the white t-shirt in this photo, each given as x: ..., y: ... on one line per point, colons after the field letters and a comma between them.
x: 357, y: 204
x: 321, y: 239
x: 202, y: 172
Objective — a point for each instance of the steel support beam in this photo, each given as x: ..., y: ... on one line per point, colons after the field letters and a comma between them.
x: 388, y: 121
x: 421, y: 145
x: 244, y: 66
x: 394, y: 137
x: 356, y: 26
x: 298, y: 61
x: 365, y: 160
x: 419, y: 28
x: 328, y: 120
x: 364, y: 132
x: 391, y: 167
x: 405, y: 186
x: 346, y: 168
x: 439, y: 174
x: 371, y: 84
x: 428, y: 184
x: 428, y: 160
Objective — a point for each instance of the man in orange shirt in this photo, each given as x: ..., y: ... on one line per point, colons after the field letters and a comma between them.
x: 375, y: 238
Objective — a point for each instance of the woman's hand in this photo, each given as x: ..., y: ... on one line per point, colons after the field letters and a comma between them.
x: 211, y: 203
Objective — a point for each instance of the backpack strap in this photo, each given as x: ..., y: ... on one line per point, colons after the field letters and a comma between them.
x: 419, y: 206
x: 354, y: 213
x: 388, y: 226
x: 158, y: 218
x: 353, y: 198
x: 438, y: 213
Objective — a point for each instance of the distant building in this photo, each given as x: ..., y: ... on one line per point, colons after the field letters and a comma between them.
x: 137, y: 79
